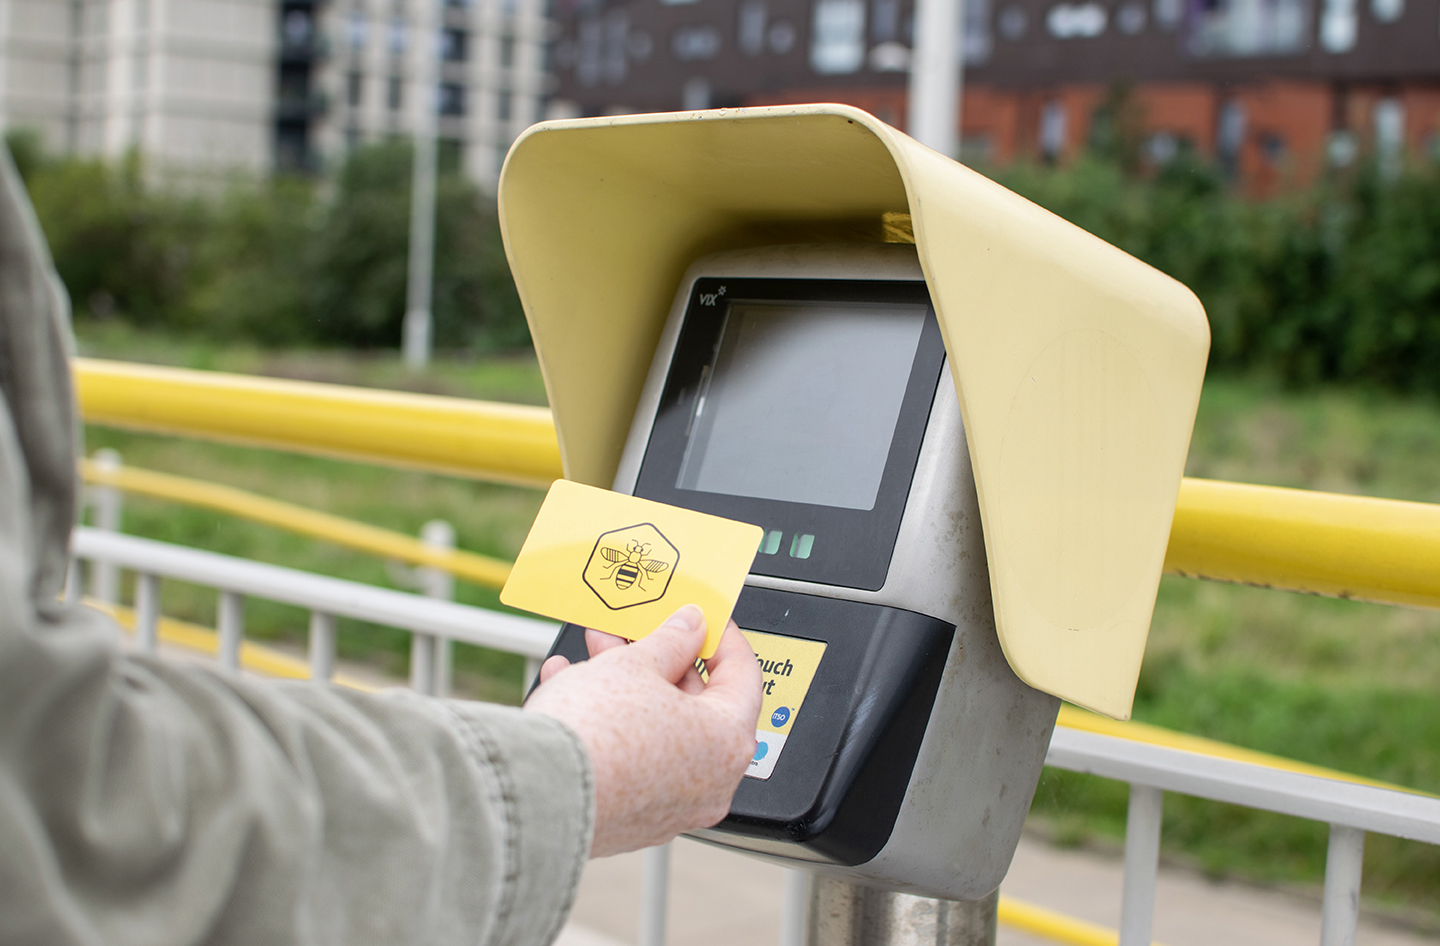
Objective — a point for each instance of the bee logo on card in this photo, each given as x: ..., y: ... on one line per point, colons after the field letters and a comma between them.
x: 631, y: 566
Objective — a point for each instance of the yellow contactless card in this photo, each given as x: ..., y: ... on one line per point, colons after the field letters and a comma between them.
x: 622, y: 565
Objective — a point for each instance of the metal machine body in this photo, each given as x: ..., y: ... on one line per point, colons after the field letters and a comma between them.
x: 925, y: 794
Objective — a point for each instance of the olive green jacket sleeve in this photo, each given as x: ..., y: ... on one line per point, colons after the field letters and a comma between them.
x: 149, y: 803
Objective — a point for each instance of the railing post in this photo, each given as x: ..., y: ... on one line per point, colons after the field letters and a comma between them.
x: 147, y: 613
x: 230, y: 628
x: 1343, y: 868
x: 794, y: 908
x: 322, y: 646
x: 72, y: 581
x: 654, y: 894
x: 107, y: 503
x: 1142, y: 860
x: 436, y: 583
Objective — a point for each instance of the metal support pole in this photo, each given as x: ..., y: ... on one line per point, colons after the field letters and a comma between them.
x: 422, y: 663
x: 147, y: 613
x: 936, y: 72
x: 417, y: 326
x: 845, y: 914
x: 1142, y: 861
x: 437, y: 583
x: 230, y: 628
x: 654, y: 894
x: 322, y: 646
x: 104, y: 576
x: 1343, y: 867
x: 794, y: 908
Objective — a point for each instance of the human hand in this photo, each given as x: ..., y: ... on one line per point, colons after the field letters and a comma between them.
x: 667, y: 749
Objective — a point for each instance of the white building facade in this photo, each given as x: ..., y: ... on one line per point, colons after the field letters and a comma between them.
x: 210, y: 87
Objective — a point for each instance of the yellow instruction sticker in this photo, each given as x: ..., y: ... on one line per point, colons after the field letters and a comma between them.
x: 787, y: 668
x: 622, y: 565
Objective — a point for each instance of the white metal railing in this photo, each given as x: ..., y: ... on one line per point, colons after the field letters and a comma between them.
x: 1350, y: 809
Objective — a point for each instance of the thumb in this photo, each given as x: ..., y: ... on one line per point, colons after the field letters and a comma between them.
x: 672, y: 647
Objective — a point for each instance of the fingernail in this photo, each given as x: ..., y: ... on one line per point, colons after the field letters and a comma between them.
x: 688, y: 619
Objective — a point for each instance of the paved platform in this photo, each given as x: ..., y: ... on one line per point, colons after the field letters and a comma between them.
x: 723, y: 899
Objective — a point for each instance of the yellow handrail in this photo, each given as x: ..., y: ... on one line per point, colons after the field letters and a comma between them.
x: 1380, y: 550
x: 481, y: 569
x: 509, y: 443
x: 1349, y: 546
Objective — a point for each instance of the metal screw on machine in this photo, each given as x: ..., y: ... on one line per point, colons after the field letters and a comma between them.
x: 846, y: 914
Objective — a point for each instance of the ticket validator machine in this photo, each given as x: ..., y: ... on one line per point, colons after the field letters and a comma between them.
x: 960, y: 421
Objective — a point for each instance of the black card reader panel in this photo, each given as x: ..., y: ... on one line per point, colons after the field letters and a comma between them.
x: 811, y: 540
x: 837, y: 788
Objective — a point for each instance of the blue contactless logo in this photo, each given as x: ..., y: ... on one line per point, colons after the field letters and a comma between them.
x: 780, y: 717
x: 761, y: 748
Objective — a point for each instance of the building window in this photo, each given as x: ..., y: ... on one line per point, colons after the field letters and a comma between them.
x: 695, y: 42
x: 837, y: 43
x: 354, y: 85
x: 695, y: 95
x: 296, y: 28
x: 782, y: 37
x: 1389, y: 117
x: 1230, y: 135
x: 1250, y: 27
x: 356, y: 29
x: 640, y: 45
x: 1169, y: 13
x: 1013, y: 22
x: 750, y: 33
x: 884, y: 20
x: 1338, y: 26
x: 890, y: 57
x: 1076, y: 20
x: 617, y: 28
x: 507, y: 52
x: 587, y: 65
x: 503, y: 104
x: 453, y: 45
x: 452, y: 98
x: 397, y: 36
x: 1130, y: 18
x: 1341, y: 149
x: 1054, y: 120
x: 975, y: 38
x: 393, y: 93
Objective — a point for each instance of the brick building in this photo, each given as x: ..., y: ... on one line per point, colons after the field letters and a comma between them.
x: 1273, y: 89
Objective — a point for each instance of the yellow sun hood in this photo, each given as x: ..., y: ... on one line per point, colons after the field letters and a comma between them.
x: 1078, y: 367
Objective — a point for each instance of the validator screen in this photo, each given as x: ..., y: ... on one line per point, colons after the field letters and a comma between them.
x: 800, y: 401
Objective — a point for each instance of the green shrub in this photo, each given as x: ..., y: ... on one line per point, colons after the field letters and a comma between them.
x: 1340, y: 282
x: 280, y: 263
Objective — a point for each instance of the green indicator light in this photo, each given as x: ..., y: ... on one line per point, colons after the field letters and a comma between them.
x: 800, y: 545
x: 770, y: 542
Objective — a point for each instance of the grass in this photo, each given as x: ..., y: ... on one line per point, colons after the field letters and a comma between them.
x: 1345, y: 684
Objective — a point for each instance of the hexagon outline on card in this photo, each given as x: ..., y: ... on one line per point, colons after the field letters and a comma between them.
x: 631, y: 566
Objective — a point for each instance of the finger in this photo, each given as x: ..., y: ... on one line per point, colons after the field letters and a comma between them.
x: 552, y: 666
x: 734, y: 675
x: 598, y: 641
x: 672, y: 647
x: 692, y: 683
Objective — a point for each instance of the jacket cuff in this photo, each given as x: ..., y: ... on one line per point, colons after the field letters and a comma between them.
x: 548, y: 795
